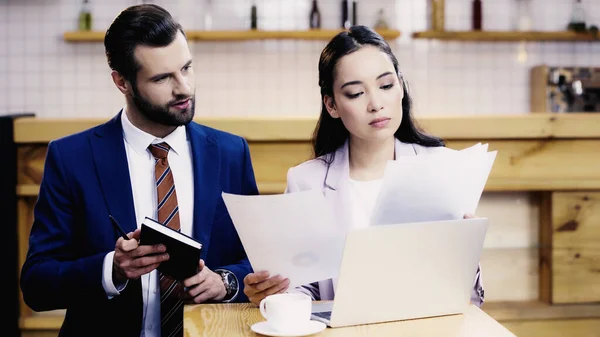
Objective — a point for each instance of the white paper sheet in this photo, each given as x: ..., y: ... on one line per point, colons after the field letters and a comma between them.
x: 293, y: 235
x: 433, y: 187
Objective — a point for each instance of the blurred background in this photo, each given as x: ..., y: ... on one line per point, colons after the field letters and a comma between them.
x: 56, y: 78
x: 461, y: 58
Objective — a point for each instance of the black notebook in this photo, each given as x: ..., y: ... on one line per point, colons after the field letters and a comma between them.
x: 184, y: 251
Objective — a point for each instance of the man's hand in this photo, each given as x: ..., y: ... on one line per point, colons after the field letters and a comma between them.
x: 204, y: 286
x: 259, y: 285
x: 131, y: 260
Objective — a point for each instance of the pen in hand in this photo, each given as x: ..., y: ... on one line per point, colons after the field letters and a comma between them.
x: 118, y: 228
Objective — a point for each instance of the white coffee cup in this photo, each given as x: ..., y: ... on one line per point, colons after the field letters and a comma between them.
x: 286, y: 313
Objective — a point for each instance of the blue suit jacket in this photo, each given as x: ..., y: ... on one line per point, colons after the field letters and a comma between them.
x: 86, y: 178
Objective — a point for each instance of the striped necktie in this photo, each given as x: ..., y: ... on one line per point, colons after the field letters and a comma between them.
x: 171, y: 307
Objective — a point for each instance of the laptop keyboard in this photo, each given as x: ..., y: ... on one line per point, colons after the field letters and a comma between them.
x: 324, y: 314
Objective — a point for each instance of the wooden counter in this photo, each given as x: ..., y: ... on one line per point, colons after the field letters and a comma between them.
x: 554, y: 157
x: 537, y: 152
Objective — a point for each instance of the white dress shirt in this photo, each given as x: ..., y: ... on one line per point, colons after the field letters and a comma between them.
x: 143, y: 186
x: 364, y: 196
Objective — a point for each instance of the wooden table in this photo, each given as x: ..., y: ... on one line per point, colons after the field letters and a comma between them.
x: 234, y: 320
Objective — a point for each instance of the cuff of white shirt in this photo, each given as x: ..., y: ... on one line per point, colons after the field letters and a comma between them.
x: 110, y: 288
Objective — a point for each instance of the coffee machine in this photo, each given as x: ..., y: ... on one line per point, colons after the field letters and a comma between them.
x: 565, y: 89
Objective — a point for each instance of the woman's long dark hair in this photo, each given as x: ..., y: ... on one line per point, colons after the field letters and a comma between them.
x: 330, y: 133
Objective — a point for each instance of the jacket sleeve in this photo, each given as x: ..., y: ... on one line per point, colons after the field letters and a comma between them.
x: 477, y: 295
x: 52, y: 269
x: 242, y: 267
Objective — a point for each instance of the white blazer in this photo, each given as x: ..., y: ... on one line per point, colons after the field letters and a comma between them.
x: 332, y: 180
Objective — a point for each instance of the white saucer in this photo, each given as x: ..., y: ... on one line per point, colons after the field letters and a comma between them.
x: 311, y: 328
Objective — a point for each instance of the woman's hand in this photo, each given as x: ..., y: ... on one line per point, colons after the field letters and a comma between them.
x: 470, y: 216
x: 259, y: 285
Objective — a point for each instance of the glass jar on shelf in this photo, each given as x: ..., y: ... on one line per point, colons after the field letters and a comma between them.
x: 522, y: 17
x: 381, y: 21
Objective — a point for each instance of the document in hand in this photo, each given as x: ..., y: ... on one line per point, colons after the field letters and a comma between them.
x: 433, y: 187
x: 293, y: 235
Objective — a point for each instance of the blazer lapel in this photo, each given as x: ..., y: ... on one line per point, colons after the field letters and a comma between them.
x: 207, y: 161
x: 339, y: 170
x: 336, y: 189
x: 404, y: 149
x: 110, y: 159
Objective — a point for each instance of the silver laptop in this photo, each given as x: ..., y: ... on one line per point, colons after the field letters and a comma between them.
x: 405, y: 271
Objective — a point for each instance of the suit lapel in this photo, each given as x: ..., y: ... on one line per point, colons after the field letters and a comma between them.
x: 404, y: 149
x: 339, y: 170
x: 336, y: 189
x: 110, y: 159
x: 206, y: 160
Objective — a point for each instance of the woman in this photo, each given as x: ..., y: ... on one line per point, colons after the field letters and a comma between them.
x: 365, y: 121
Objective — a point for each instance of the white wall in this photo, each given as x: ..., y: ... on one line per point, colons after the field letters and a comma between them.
x: 41, y: 73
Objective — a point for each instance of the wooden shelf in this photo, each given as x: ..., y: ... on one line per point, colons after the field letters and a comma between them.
x: 499, y: 36
x: 245, y: 35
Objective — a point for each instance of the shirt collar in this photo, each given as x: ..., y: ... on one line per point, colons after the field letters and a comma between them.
x: 140, y: 140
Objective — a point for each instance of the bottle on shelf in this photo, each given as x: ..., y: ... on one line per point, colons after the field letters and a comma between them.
x: 577, y: 21
x: 315, y: 16
x: 381, y: 22
x: 345, y: 20
x: 208, y: 15
x: 253, y: 17
x: 477, y: 15
x: 354, y: 13
x: 85, y: 16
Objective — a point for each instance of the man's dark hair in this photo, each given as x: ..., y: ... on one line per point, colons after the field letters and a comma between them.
x: 145, y: 25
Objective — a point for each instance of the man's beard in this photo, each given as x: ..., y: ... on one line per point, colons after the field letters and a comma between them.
x: 162, y: 114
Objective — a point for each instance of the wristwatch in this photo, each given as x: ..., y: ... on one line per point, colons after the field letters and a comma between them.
x: 231, y: 284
